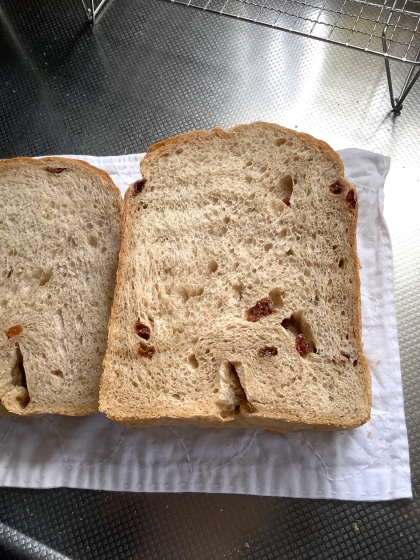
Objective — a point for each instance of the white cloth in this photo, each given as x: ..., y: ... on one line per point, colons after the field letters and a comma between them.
x: 369, y: 463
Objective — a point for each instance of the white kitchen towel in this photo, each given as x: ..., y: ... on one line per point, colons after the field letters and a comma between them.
x: 369, y: 463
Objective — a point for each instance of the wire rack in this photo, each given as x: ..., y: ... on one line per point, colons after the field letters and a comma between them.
x: 390, y: 28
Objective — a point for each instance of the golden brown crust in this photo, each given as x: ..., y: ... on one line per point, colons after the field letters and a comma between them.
x: 4, y: 411
x: 158, y: 417
x: 69, y: 162
x: 85, y: 167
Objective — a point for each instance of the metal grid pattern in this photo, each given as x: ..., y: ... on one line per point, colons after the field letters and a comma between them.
x: 389, y: 28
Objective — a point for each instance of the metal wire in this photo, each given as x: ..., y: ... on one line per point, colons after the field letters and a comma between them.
x: 357, y: 24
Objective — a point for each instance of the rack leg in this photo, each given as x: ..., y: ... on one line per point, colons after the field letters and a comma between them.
x: 90, y: 11
x: 397, y: 102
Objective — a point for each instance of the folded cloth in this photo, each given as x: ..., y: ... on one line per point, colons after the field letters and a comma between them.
x: 368, y: 463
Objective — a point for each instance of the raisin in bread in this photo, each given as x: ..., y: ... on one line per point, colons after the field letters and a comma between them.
x: 60, y: 222
x: 238, y: 299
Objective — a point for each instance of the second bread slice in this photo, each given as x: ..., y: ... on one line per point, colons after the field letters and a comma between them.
x: 60, y: 224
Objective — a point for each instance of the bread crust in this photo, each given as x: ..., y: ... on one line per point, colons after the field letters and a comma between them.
x: 154, y: 417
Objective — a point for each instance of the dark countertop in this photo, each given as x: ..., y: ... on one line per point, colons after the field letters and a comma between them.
x: 148, y: 70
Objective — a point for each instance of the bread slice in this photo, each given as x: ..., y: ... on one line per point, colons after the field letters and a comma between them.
x: 237, y: 299
x: 60, y: 225
x: 4, y: 411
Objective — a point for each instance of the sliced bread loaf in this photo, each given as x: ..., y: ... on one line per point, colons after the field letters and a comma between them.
x: 60, y: 225
x: 237, y: 299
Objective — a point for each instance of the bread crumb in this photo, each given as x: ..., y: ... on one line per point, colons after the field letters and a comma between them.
x: 369, y: 435
x: 355, y: 527
x: 379, y: 416
x: 378, y: 362
x: 247, y: 545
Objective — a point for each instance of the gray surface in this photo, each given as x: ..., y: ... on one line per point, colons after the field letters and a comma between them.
x: 151, y: 69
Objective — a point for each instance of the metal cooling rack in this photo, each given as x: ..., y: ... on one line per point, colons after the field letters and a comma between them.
x: 390, y: 28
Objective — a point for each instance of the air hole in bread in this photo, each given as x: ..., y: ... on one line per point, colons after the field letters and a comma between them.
x: 297, y: 325
x: 59, y: 320
x: 283, y: 233
x: 192, y: 361
x: 89, y: 226
x: 57, y: 373
x: 276, y: 295
x: 213, y: 266
x: 93, y: 240
x: 232, y: 397
x: 341, y: 263
x: 279, y: 141
x: 307, y: 272
x: 176, y: 396
x: 238, y: 290
x: 248, y: 179
x: 268, y: 246
x: 19, y: 378
x: 290, y: 253
x: 334, y: 247
x: 223, y: 230
x: 45, y: 277
x: 9, y: 273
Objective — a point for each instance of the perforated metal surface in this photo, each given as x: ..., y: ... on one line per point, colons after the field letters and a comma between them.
x: 357, y: 24
x: 151, y: 69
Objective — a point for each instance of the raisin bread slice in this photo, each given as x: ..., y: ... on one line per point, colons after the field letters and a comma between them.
x: 238, y: 299
x: 60, y: 222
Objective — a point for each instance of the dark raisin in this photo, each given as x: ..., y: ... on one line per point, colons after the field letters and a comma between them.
x: 146, y: 352
x: 14, y: 331
x: 138, y: 186
x: 336, y: 188
x: 286, y: 201
x: 267, y: 352
x: 351, y: 199
x: 287, y: 323
x: 56, y: 169
x: 261, y: 309
x: 142, y: 330
x: 302, y: 345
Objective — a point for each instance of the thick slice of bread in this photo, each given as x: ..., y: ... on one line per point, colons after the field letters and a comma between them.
x: 237, y: 299
x: 60, y: 225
